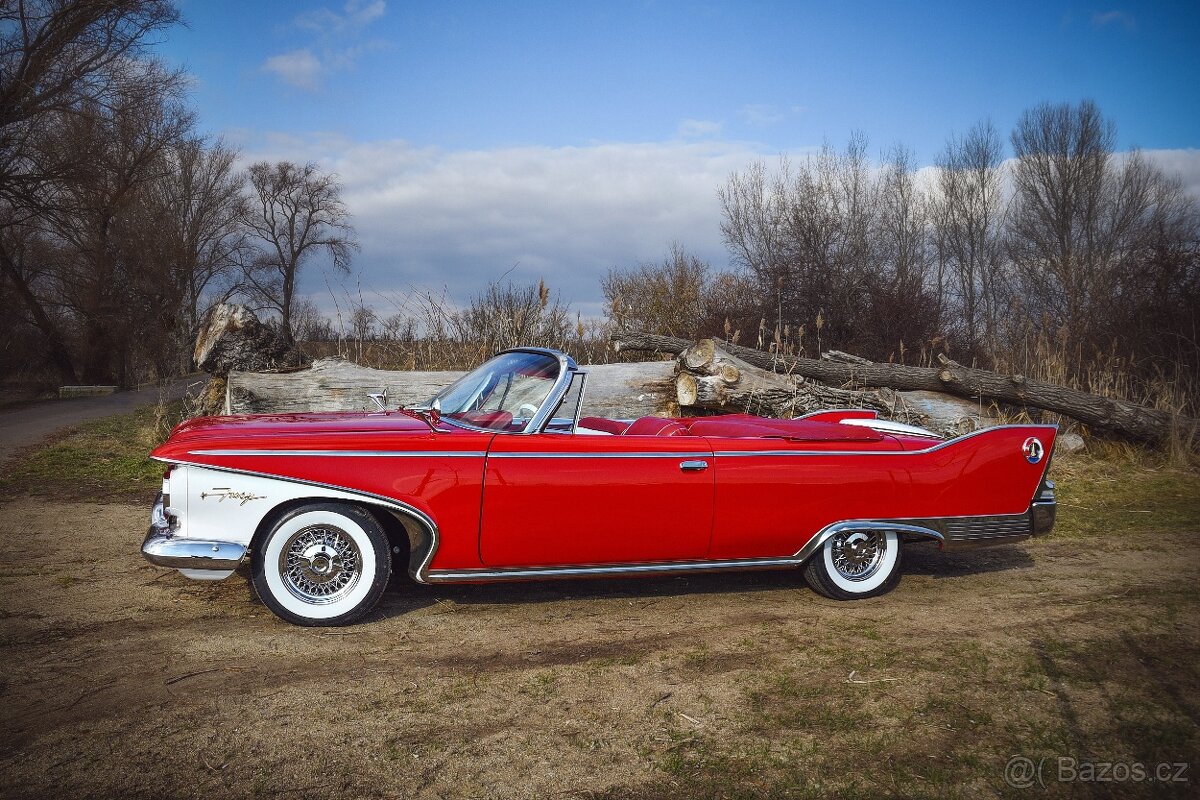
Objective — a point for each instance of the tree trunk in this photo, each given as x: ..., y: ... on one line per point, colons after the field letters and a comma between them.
x: 54, y: 341
x: 711, y: 378
x: 232, y: 337
x: 1115, y: 416
x: 613, y: 390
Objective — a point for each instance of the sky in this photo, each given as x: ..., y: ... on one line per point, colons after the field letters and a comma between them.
x: 557, y: 140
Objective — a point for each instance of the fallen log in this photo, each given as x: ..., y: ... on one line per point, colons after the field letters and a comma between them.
x: 711, y: 378
x: 1102, y: 413
x: 330, y: 384
x: 613, y: 390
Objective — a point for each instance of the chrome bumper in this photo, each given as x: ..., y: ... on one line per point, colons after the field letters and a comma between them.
x: 1044, y: 509
x: 162, y: 548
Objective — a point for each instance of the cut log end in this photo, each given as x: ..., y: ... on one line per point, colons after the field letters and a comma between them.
x: 686, y: 390
x: 700, y: 354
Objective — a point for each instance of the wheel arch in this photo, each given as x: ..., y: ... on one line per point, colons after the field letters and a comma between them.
x: 408, y: 530
x: 406, y: 525
x: 906, y: 529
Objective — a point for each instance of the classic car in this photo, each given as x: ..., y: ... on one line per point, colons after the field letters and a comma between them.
x: 498, y: 478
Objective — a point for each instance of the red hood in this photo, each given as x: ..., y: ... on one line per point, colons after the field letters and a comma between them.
x: 308, y: 423
x: 326, y: 430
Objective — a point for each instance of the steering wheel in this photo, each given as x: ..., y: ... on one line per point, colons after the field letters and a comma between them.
x: 526, y: 406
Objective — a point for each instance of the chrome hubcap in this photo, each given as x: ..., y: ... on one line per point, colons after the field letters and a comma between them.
x: 857, y: 555
x: 320, y: 564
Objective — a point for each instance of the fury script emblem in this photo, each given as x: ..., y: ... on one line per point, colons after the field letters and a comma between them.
x: 223, y: 492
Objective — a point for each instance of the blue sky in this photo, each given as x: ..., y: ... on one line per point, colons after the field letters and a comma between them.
x: 566, y: 138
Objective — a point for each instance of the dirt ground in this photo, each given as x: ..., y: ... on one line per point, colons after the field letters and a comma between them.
x: 121, y: 679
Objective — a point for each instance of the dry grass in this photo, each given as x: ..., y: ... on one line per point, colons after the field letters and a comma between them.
x: 104, y: 458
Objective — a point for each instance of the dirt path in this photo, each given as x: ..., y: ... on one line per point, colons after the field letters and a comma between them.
x: 30, y: 424
x: 125, y: 680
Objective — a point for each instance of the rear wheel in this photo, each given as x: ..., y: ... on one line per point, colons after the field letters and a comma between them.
x: 322, y: 564
x: 855, y: 563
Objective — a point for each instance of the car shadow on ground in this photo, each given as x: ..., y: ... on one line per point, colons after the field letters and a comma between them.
x: 927, y: 559
x: 403, y: 596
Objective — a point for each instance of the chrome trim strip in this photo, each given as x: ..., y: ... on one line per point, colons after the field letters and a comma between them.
x: 822, y: 535
x: 666, y: 567
x: 346, y: 453
x: 422, y: 560
x: 809, y: 453
x: 613, y: 569
x: 583, y: 377
x: 594, y: 454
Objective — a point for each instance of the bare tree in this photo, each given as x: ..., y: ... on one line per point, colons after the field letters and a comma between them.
x: 114, y: 278
x: 58, y: 58
x: 668, y: 298
x: 968, y: 225
x: 1060, y: 235
x: 836, y: 248
x: 1083, y: 220
x: 906, y: 307
x: 63, y: 56
x: 508, y: 315
x: 296, y: 212
x: 199, y: 204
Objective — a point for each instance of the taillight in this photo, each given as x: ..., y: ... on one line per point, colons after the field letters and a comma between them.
x: 166, y: 486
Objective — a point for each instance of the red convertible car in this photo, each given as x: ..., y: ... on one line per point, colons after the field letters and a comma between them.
x: 498, y: 478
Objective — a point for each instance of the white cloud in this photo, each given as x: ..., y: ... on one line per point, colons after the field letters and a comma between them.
x: 299, y: 68
x: 335, y: 35
x: 1183, y: 164
x: 429, y: 218
x: 355, y: 15
x: 760, y: 115
x: 698, y: 128
x: 434, y: 219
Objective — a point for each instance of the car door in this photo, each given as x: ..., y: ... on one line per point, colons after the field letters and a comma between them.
x: 554, y: 499
x: 772, y: 495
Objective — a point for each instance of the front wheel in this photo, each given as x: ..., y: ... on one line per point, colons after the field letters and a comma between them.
x: 322, y: 564
x: 854, y: 564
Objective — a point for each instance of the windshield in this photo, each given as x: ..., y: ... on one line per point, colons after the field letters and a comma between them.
x: 502, y: 394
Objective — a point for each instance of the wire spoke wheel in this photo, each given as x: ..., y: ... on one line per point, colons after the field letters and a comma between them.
x: 857, y: 555
x: 856, y: 562
x: 320, y: 564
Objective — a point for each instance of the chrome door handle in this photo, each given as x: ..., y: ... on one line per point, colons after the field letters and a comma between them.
x: 693, y: 466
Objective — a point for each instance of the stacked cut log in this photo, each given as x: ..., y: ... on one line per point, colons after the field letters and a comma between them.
x: 853, y: 374
x: 711, y: 378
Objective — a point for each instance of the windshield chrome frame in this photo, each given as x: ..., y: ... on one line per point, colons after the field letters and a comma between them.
x: 566, y: 371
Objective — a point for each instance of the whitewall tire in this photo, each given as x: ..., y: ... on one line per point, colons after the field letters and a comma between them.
x: 855, y: 563
x: 322, y: 564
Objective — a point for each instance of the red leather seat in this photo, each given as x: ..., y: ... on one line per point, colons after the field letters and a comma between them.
x: 655, y: 426
x: 614, y: 426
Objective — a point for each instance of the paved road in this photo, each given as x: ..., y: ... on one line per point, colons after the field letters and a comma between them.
x: 31, y: 424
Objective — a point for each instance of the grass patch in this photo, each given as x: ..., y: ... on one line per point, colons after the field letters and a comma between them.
x: 104, y: 459
x: 1128, y: 492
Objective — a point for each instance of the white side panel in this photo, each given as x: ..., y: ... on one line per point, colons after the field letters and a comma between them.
x: 228, y: 506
